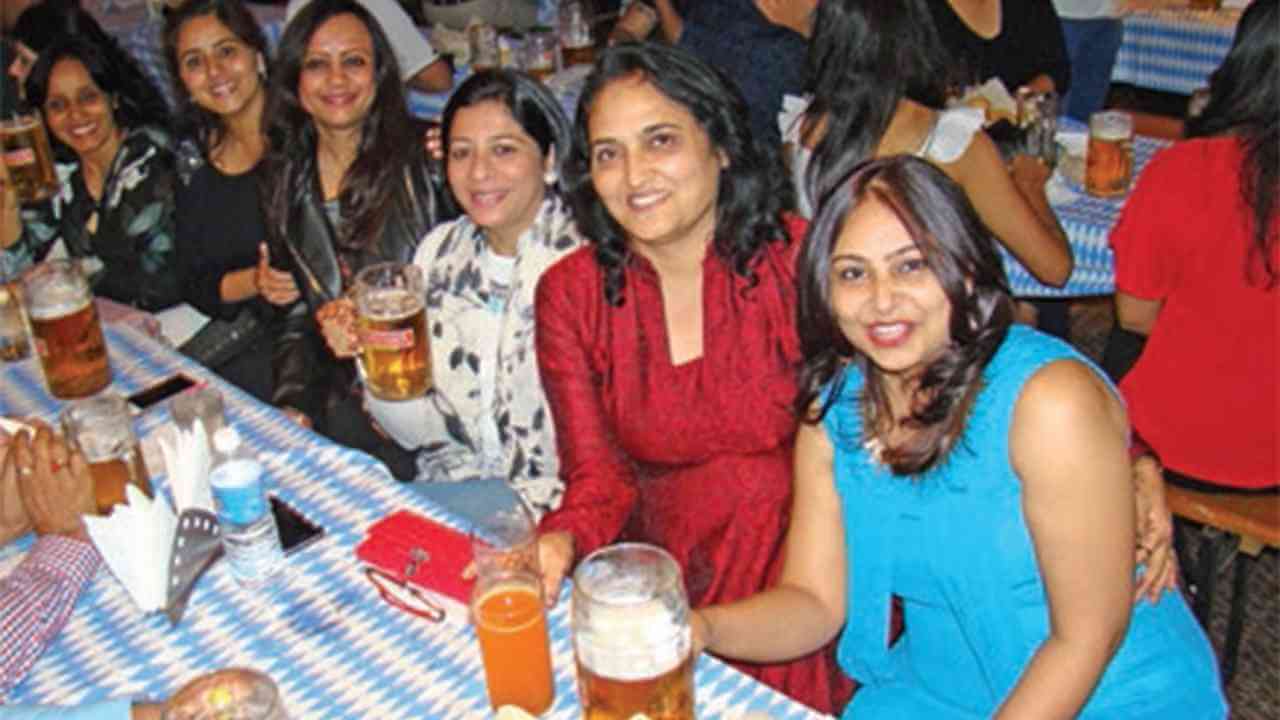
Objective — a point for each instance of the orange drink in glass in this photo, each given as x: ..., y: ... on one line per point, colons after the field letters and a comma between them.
x: 511, y: 625
x: 507, y: 610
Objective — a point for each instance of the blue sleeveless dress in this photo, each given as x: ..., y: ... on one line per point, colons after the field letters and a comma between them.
x: 954, y: 546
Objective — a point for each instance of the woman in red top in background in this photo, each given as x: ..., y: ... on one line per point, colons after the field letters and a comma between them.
x: 668, y: 348
x: 1197, y: 268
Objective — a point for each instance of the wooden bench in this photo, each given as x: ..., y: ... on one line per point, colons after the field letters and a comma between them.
x: 1255, y: 521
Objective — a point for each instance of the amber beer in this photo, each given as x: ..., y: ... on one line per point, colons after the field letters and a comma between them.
x: 631, y: 636
x: 511, y: 625
x: 65, y: 328
x: 24, y: 147
x: 394, y: 360
x: 1109, y: 157
x: 112, y: 474
x: 668, y: 696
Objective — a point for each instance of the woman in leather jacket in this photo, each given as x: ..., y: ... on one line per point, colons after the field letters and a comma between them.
x: 345, y: 186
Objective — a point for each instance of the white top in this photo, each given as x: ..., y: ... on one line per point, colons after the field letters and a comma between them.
x: 1086, y: 9
x: 952, y: 132
x: 412, y: 50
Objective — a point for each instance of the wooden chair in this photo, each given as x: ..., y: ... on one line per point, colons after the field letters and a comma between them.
x: 1255, y: 521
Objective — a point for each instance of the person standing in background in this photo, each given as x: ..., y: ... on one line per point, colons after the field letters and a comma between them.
x: 1092, y: 31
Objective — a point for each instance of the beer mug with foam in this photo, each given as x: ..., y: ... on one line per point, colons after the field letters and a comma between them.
x: 101, y: 428
x: 66, y: 330
x: 24, y: 147
x: 1108, y: 160
x: 393, y: 361
x: 631, y: 635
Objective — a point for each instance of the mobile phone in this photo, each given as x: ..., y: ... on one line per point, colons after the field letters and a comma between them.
x: 160, y: 392
x: 296, y: 531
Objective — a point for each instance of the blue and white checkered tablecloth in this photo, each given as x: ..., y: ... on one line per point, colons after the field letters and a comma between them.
x: 1087, y: 220
x: 1174, y: 50
x: 335, y: 649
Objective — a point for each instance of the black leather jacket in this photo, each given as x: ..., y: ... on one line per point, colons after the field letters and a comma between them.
x: 307, y: 376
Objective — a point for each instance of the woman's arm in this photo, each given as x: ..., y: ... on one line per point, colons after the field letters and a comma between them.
x: 598, y: 477
x: 669, y: 21
x: 1014, y: 206
x: 807, y: 606
x: 1136, y: 314
x: 1078, y: 501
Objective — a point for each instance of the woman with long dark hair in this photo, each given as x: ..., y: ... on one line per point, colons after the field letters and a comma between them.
x: 1197, y: 267
x: 45, y: 23
x: 345, y: 186
x: 668, y: 347
x: 875, y: 86
x: 923, y: 473
x: 115, y: 205
x: 217, y: 54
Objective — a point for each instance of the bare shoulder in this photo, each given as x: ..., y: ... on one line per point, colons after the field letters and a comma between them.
x: 1066, y: 391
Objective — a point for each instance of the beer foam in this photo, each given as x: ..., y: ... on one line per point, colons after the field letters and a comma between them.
x: 390, y: 304
x: 55, y: 300
x: 631, y: 642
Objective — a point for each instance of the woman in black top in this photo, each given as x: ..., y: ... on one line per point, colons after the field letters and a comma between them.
x: 1018, y: 41
x: 345, y: 186
x: 217, y: 53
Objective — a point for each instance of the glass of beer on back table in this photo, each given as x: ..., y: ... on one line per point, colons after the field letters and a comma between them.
x: 392, y: 321
x: 66, y: 330
x: 1108, y: 160
x: 508, y: 612
x: 101, y: 428
x: 631, y: 635
x: 24, y: 146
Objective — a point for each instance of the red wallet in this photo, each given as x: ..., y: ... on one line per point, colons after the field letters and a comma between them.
x: 415, y: 550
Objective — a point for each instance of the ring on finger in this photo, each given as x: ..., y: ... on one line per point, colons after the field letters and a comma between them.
x: 25, y: 471
x: 55, y: 466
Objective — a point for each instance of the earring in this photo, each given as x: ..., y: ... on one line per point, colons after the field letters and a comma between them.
x: 550, y: 177
x: 262, y: 66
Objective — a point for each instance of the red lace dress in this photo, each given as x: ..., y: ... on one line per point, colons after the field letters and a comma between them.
x: 695, y: 458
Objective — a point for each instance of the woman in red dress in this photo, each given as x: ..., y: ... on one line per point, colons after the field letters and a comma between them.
x: 668, y: 347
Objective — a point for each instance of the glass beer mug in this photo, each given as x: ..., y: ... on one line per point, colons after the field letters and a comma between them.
x: 390, y: 303
x: 1108, y: 160
x: 631, y: 635
x: 24, y: 146
x: 66, y: 330
x: 101, y: 428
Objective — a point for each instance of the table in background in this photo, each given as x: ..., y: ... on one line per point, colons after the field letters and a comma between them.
x: 335, y: 649
x: 1174, y: 50
x: 1087, y: 221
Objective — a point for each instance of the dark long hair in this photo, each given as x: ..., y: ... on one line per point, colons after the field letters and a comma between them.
x: 961, y: 253
x: 753, y: 188
x: 1244, y: 101
x: 128, y: 110
x: 532, y: 105
x: 387, y: 142
x: 865, y: 57
x: 194, y: 121
x: 55, y: 30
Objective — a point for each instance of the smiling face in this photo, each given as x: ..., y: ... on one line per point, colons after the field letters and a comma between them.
x: 77, y: 111
x: 336, y: 86
x: 653, y: 166
x: 495, y: 170
x: 218, y: 69
x: 886, y: 300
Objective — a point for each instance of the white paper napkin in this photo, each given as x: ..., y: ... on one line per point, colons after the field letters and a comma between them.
x: 134, y: 541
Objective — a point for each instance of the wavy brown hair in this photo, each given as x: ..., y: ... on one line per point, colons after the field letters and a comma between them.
x: 960, y: 252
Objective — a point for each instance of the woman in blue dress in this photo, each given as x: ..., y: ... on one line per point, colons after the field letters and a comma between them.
x: 975, y: 469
